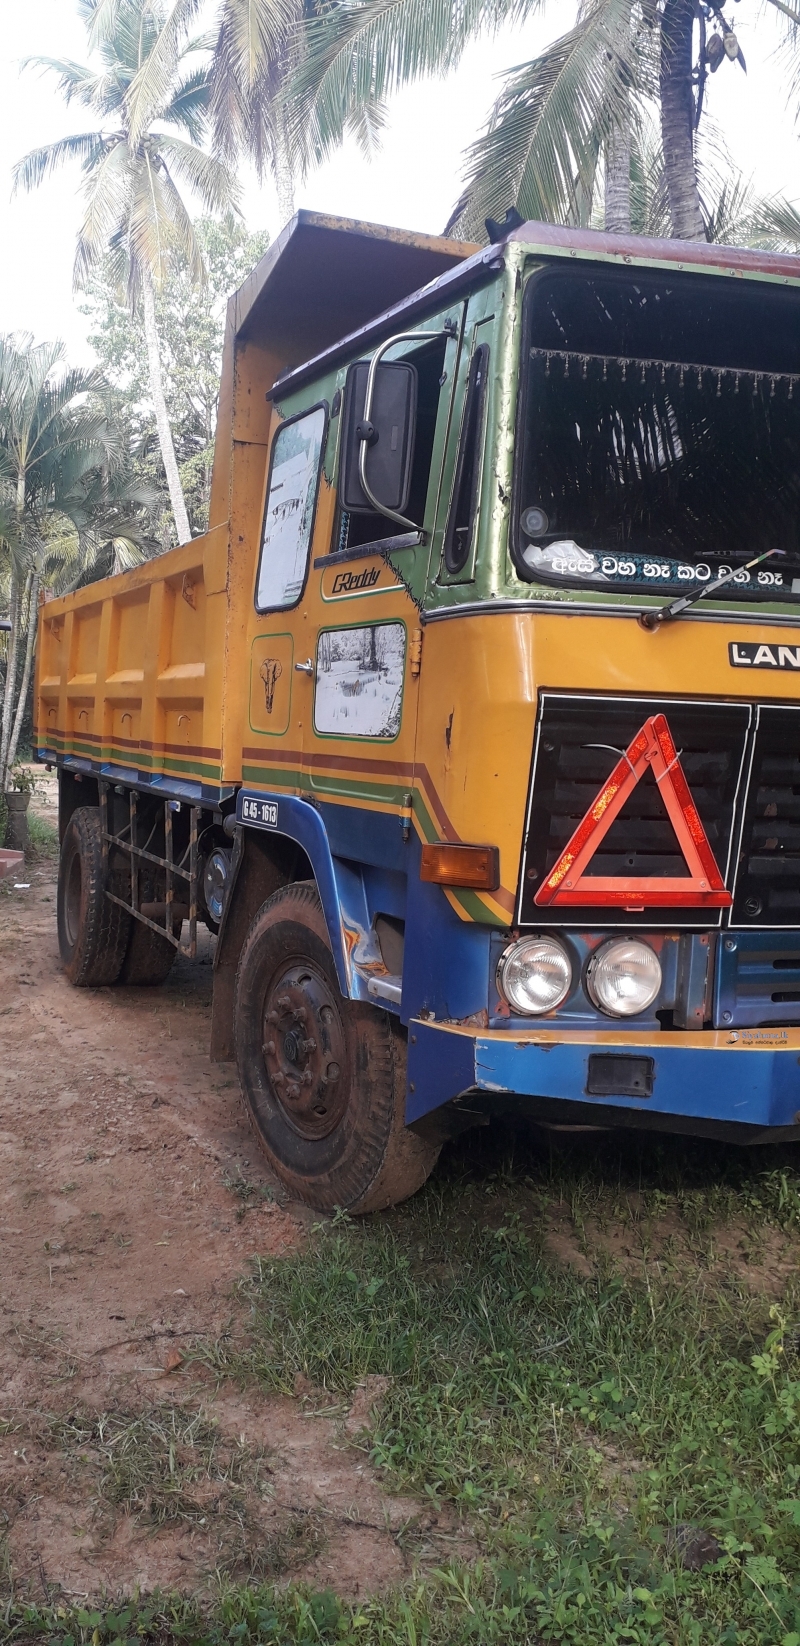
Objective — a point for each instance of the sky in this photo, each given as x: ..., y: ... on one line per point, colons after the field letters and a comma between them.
x: 411, y: 183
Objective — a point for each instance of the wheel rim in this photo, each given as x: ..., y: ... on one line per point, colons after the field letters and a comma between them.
x: 304, y: 1050
x: 72, y: 900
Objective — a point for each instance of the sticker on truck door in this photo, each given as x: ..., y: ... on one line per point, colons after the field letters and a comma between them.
x: 271, y: 675
x: 359, y: 681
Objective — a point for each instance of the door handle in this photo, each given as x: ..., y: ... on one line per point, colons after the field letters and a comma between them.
x: 305, y: 668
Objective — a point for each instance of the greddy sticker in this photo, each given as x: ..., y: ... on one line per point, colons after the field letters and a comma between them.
x: 750, y: 654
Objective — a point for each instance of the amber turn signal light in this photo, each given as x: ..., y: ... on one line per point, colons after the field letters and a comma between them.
x: 447, y: 864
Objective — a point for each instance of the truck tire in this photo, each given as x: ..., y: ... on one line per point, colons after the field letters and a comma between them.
x: 148, y: 959
x: 92, y: 932
x: 323, y: 1078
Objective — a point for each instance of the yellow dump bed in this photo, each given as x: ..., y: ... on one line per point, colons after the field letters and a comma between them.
x: 130, y: 670
x: 144, y: 672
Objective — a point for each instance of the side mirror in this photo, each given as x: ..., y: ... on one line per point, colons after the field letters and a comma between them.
x: 389, y: 451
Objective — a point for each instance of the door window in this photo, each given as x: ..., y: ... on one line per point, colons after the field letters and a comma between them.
x: 289, y: 513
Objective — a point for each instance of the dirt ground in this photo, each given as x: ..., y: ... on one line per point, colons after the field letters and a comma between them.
x: 131, y: 1198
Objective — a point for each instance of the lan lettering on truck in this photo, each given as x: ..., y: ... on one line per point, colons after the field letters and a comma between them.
x: 747, y: 654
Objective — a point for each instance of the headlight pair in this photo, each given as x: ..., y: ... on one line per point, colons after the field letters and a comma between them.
x: 623, y: 976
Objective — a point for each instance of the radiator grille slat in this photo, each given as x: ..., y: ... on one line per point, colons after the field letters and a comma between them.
x: 768, y: 876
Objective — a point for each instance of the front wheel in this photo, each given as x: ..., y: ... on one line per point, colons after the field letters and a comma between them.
x: 323, y: 1078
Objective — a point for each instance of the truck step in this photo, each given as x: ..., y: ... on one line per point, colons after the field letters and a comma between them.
x: 386, y: 988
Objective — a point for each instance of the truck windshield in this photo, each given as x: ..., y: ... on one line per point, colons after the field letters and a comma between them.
x: 660, y: 433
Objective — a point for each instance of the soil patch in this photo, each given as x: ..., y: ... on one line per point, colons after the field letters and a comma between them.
x: 132, y: 1197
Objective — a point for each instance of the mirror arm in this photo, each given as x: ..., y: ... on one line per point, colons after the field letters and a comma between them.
x: 366, y: 421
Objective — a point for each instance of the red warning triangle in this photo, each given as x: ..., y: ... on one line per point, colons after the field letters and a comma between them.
x: 567, y: 882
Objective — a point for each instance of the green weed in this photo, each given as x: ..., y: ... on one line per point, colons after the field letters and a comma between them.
x: 579, y: 1425
x: 42, y: 840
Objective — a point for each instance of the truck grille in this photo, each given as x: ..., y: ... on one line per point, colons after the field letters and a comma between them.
x: 767, y: 891
x: 578, y: 742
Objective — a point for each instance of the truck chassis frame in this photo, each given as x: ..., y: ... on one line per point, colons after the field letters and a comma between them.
x: 185, y: 868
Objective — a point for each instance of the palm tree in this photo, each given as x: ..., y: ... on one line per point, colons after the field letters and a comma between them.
x: 254, y: 56
x: 151, y: 96
x: 64, y: 498
x: 258, y: 53
x: 734, y: 214
x: 557, y: 116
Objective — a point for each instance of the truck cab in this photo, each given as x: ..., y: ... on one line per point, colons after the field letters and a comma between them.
x: 472, y: 727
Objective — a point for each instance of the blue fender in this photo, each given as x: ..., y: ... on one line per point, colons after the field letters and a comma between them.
x: 283, y: 814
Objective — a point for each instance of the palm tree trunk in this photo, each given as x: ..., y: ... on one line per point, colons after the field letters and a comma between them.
x: 165, y: 440
x: 618, y: 145
x: 284, y: 176
x: 15, y: 613
x: 618, y: 182
x: 677, y: 119
x: 33, y: 617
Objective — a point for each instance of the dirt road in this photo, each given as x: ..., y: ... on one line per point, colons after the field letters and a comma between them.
x: 131, y: 1199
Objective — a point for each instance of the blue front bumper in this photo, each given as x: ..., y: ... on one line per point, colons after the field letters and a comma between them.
x: 746, y: 1077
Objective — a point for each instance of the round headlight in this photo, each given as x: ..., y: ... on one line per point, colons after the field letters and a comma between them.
x: 534, y: 975
x: 623, y: 977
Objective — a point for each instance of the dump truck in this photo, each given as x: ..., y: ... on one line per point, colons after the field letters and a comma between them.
x: 471, y: 726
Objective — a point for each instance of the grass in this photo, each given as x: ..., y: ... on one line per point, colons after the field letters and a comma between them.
x: 582, y: 1426
x: 42, y: 840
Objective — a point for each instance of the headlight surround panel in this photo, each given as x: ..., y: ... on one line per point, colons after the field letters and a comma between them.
x: 577, y: 1009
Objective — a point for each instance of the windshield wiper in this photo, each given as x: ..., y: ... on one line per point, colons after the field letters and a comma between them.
x: 676, y: 608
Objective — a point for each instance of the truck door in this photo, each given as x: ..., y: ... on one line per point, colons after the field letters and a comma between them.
x: 363, y: 625
x: 279, y: 662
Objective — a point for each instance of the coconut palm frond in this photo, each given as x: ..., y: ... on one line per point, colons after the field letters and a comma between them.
x: 188, y: 105
x: 107, y: 192
x: 149, y: 234
x: 728, y: 213
x: 254, y: 48
x: 152, y: 85
x: 649, y: 199
x: 210, y: 178
x: 367, y: 126
x: 541, y: 147
x: 254, y: 33
x: 100, y: 18
x: 357, y: 53
x: 182, y: 232
x: 75, y: 80
x: 88, y: 147
x: 790, y: 9
x: 775, y: 223
x: 790, y: 52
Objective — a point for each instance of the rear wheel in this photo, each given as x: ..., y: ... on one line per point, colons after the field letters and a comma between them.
x: 323, y: 1078
x: 92, y: 931
x: 148, y: 958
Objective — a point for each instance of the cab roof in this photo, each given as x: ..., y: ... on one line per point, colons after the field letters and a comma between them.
x: 332, y: 285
